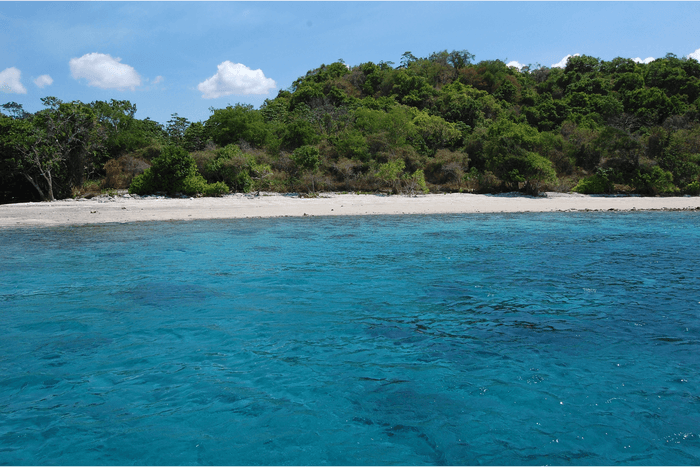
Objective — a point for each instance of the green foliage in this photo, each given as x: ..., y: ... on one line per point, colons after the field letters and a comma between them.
x: 679, y: 153
x: 216, y: 189
x: 459, y: 103
x: 654, y: 181
x: 54, y: 149
x: 651, y: 105
x: 506, y: 137
x: 395, y: 126
x: 142, y: 184
x: 321, y: 75
x: 352, y: 145
x: 307, y: 158
x: 595, y: 184
x: 193, y: 184
x: 415, y: 183
x: 176, y: 128
x: 14, y: 110
x: 434, y: 133
x: 238, y: 170
x: 628, y: 82
x: 174, y: 171
x: 582, y: 64
x: 124, y: 132
x: 533, y: 169
x: 308, y: 94
x: 630, y: 124
x: 692, y: 188
x: 548, y: 113
x: 299, y: 133
x: 412, y: 90
x: 171, y: 168
x: 235, y: 124
x: 390, y: 172
x: 447, y: 167
x: 670, y: 74
x: 195, y: 137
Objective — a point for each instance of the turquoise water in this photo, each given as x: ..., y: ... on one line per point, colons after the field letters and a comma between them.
x: 457, y: 339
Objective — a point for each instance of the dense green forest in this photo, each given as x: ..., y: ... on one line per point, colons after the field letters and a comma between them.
x: 442, y: 123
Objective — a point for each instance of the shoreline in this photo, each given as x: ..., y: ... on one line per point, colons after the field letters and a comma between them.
x: 126, y: 209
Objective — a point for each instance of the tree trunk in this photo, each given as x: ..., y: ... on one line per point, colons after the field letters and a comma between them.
x: 49, y: 181
x: 35, y: 185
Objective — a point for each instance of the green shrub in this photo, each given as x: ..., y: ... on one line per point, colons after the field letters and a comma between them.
x: 654, y: 181
x: 692, y: 188
x: 307, y: 158
x: 142, y: 184
x: 390, y: 172
x: 353, y: 145
x: 149, y: 152
x: 215, y: 189
x: 236, y: 169
x: 173, y: 171
x: 415, y: 183
x: 193, y: 185
x: 595, y: 184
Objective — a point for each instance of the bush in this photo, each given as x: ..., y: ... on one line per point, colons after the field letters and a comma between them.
x: 120, y: 172
x: 692, y: 188
x: 142, y: 184
x: 654, y: 181
x: 447, y: 167
x: 173, y: 171
x: 596, y: 184
x: 149, y: 152
x: 193, y: 185
x: 216, y: 189
x: 485, y: 182
x: 307, y: 158
x: 238, y: 170
x: 415, y: 183
x: 390, y: 173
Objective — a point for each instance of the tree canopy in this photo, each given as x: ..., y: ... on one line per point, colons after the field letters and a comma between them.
x: 452, y: 122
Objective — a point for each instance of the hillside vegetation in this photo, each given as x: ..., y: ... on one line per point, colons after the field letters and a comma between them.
x: 441, y: 123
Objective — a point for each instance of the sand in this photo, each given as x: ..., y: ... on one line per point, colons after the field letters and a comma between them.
x: 125, y: 209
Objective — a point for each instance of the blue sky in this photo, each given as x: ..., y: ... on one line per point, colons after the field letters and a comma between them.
x: 186, y: 57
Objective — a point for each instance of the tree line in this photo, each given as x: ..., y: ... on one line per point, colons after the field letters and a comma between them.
x: 441, y: 123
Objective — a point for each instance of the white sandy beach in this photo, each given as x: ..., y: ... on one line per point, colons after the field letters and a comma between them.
x: 121, y: 209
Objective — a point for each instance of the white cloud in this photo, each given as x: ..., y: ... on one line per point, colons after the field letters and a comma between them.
x: 695, y: 55
x: 235, y: 78
x: 645, y: 61
x: 515, y: 64
x: 159, y: 79
x: 104, y: 71
x: 43, y: 80
x: 562, y: 62
x: 10, y: 81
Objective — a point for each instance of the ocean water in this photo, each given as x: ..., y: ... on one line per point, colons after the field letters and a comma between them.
x: 453, y: 339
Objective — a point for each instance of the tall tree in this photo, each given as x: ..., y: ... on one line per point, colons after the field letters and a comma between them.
x: 56, y: 145
x: 176, y: 128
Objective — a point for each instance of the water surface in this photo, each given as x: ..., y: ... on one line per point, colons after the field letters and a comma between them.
x: 455, y: 339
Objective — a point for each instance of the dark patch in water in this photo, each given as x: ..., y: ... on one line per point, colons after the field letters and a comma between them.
x: 166, y: 293
x: 266, y: 248
x: 340, y: 236
x: 669, y: 339
x: 363, y: 420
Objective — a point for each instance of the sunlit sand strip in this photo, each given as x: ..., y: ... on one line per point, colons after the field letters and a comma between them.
x: 125, y: 210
